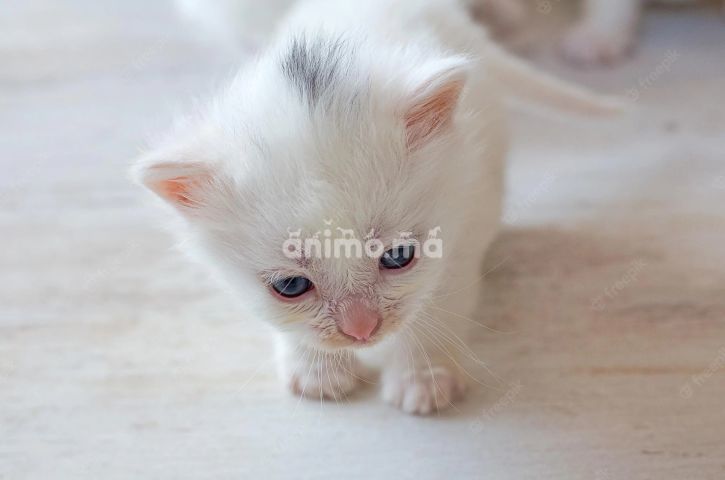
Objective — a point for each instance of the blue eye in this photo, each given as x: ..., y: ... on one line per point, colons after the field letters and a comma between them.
x: 292, y: 287
x: 398, y: 257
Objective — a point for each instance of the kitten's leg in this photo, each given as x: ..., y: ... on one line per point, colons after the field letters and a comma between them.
x: 315, y: 373
x: 423, y: 375
x: 605, y: 33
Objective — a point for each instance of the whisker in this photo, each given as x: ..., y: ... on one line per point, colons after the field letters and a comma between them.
x: 430, y: 369
x: 410, y: 356
x: 354, y: 375
x: 329, y: 380
x: 475, y: 282
x: 338, y: 356
x: 463, y: 317
x: 309, y: 372
x: 456, y: 362
x: 438, y: 326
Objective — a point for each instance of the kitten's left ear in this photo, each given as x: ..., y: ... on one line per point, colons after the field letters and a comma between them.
x: 430, y: 110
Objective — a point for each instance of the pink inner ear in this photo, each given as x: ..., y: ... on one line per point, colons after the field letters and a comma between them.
x: 432, y: 114
x: 180, y: 184
x: 178, y: 190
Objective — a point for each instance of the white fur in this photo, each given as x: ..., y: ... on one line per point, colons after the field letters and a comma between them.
x: 264, y: 161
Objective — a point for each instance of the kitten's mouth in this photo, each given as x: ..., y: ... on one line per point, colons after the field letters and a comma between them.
x: 362, y: 344
x: 343, y: 342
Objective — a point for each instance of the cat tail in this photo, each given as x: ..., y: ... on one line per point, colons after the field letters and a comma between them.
x: 526, y: 83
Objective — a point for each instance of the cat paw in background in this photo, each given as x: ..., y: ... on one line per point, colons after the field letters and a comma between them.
x: 502, y: 16
x: 587, y: 45
x: 605, y: 34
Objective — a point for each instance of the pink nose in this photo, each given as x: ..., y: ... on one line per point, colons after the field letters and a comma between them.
x: 358, y: 319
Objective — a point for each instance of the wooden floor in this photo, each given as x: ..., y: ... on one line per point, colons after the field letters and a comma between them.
x: 601, y: 320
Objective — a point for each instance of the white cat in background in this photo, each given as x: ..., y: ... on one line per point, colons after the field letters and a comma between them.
x: 605, y: 32
x: 380, y: 117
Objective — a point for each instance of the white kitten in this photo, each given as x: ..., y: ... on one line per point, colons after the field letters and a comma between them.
x: 376, y: 117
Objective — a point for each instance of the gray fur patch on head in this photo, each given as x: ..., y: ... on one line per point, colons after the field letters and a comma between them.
x: 318, y: 65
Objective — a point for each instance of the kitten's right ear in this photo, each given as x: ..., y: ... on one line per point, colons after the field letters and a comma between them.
x: 183, y: 184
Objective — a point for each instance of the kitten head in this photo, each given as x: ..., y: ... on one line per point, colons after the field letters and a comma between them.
x: 321, y: 136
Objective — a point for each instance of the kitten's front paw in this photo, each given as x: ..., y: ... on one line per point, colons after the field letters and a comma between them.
x: 331, y: 378
x: 425, y: 390
x: 585, y: 45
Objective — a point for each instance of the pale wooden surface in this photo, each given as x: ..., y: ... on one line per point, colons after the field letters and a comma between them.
x: 118, y: 359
